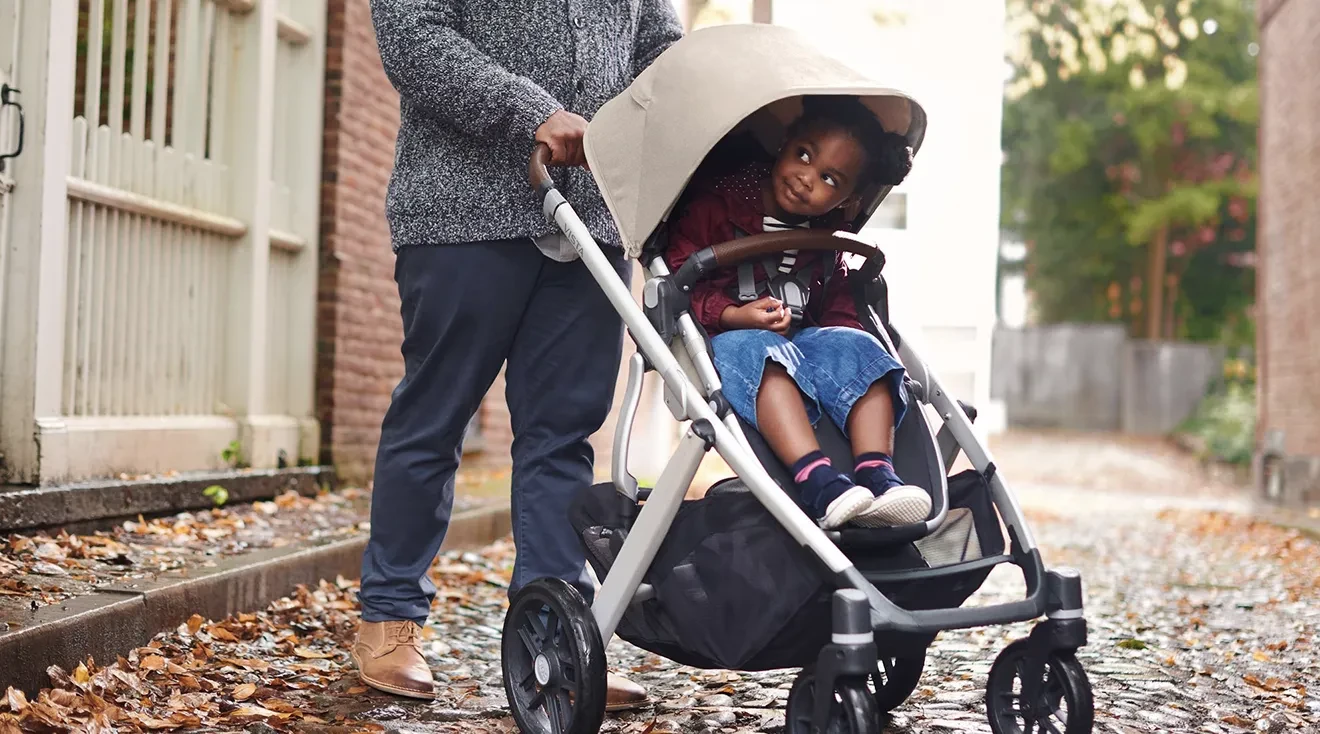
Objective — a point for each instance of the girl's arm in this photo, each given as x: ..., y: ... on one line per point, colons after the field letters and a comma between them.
x: 838, y: 308
x: 704, y: 223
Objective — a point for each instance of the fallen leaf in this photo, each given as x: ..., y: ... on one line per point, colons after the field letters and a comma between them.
x: 244, y: 691
x: 1133, y: 644
x: 80, y: 674
x: 220, y: 633
x: 1235, y: 720
x: 255, y: 712
x: 310, y: 654
x: 194, y: 623
x: 16, y: 700
x: 150, y: 662
x: 355, y: 690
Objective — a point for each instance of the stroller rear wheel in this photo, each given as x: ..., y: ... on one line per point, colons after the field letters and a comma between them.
x: 1062, y: 703
x: 896, y: 679
x: 553, y: 660
x: 853, y: 710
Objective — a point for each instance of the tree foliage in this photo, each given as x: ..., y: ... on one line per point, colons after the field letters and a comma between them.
x: 1130, y: 172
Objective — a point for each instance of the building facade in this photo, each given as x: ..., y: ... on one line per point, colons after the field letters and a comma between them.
x: 1288, y: 296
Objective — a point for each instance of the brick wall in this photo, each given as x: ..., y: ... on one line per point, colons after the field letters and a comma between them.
x: 1289, y: 282
x: 359, y: 328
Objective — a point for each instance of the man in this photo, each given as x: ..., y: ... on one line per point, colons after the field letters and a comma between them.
x: 484, y: 279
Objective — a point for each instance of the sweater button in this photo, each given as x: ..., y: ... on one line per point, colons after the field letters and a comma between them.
x: 579, y: 23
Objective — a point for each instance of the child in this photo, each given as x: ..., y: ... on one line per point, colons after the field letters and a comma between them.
x: 782, y: 364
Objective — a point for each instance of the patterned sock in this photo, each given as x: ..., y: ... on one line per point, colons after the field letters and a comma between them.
x: 875, y: 471
x: 819, y: 482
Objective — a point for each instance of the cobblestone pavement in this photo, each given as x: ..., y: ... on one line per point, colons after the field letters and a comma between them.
x: 1200, y: 620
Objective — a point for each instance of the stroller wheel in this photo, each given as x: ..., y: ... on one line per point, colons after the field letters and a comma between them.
x: 554, y: 660
x: 852, y: 712
x: 896, y: 679
x: 1062, y: 705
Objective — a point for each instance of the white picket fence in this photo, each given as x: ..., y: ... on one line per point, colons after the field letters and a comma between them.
x: 182, y: 277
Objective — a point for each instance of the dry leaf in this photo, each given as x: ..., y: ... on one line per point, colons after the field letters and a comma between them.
x: 244, y: 692
x: 220, y: 633
x: 255, y: 712
x: 80, y: 674
x: 195, y: 623
x: 16, y: 700
x: 310, y: 654
x: 355, y: 690
x: 150, y: 662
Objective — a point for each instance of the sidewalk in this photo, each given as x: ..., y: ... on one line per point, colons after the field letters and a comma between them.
x: 66, y: 597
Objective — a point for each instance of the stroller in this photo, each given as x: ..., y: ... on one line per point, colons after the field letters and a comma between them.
x: 742, y: 578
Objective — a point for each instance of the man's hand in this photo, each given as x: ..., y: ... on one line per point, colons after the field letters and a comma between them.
x: 764, y: 313
x: 563, y: 133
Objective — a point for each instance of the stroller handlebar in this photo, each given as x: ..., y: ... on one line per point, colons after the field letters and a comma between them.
x: 537, y: 173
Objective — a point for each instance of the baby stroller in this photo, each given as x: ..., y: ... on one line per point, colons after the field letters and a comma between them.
x: 742, y: 579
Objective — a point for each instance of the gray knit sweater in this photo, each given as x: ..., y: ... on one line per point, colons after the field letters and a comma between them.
x: 476, y: 78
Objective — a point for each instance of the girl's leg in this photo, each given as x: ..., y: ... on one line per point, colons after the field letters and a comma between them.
x: 832, y: 496
x: 758, y: 370
x: 860, y: 386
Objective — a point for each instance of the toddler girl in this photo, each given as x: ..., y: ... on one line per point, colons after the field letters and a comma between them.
x: 783, y: 364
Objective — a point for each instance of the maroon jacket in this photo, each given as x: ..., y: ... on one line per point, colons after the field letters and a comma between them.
x: 715, y: 206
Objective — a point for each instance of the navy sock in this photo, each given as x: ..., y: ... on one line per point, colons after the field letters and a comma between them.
x: 875, y: 471
x: 819, y: 482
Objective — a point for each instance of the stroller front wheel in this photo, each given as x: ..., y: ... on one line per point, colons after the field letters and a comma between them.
x: 1055, y: 700
x: 553, y: 660
x: 853, y: 710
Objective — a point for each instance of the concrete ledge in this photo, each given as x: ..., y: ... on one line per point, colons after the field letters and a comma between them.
x: 115, y: 619
x: 23, y: 508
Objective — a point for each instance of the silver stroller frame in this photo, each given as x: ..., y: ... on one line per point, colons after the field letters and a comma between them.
x: 860, y: 609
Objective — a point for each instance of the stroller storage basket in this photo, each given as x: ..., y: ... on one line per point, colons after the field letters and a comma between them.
x: 733, y: 590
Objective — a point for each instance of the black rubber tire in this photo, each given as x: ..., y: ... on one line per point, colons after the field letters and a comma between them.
x: 1065, y: 683
x: 854, y: 710
x: 896, y: 680
x: 572, y: 700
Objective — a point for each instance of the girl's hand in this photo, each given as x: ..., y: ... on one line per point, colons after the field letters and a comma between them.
x: 764, y: 313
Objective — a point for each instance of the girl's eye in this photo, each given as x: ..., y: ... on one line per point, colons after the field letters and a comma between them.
x: 804, y: 156
x: 829, y: 180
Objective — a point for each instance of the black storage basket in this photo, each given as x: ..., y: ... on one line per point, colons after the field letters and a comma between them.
x: 733, y: 590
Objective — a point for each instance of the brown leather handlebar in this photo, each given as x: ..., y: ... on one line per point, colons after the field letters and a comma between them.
x: 734, y: 252
x: 537, y: 174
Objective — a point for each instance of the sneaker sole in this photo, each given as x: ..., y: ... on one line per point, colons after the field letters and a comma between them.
x: 846, y: 507
x: 896, y: 507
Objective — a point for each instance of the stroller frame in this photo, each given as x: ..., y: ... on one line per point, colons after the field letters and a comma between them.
x: 1056, y: 594
x: 860, y: 609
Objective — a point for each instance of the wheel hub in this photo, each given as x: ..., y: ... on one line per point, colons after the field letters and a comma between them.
x: 542, y: 668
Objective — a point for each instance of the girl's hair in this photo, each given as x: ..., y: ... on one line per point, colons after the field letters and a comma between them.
x: 888, y: 155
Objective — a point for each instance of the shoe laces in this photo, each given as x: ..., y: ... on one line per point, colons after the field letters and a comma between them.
x: 403, y: 633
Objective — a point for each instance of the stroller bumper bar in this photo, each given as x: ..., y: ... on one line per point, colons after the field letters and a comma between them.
x: 734, y: 252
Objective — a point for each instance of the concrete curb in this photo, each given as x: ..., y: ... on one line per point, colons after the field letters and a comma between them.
x: 98, y: 503
x: 116, y: 619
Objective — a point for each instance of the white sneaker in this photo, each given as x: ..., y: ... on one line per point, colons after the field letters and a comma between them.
x: 904, y: 505
x: 846, y: 507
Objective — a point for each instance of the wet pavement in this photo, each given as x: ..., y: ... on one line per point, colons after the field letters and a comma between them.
x: 1201, y: 620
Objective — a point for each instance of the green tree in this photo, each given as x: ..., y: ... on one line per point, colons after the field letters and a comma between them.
x: 1130, y: 142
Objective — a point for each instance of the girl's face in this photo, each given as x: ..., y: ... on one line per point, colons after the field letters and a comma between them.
x: 817, y: 171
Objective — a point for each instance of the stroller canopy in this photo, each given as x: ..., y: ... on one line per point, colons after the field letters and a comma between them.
x: 644, y: 145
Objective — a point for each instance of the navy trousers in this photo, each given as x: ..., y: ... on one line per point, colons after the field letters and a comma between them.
x: 467, y: 310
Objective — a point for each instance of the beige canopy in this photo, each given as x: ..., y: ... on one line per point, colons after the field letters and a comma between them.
x: 644, y: 145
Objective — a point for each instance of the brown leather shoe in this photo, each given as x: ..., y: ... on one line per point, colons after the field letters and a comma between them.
x: 623, y: 695
x: 389, y: 658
